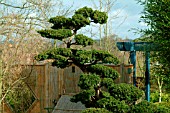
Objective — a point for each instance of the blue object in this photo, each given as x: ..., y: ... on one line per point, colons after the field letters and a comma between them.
x: 133, y: 61
x: 147, y: 76
x: 139, y: 46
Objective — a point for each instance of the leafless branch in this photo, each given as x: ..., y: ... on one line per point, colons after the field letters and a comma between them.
x: 19, y: 7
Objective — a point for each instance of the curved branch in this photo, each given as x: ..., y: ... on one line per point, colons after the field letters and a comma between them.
x: 18, y: 7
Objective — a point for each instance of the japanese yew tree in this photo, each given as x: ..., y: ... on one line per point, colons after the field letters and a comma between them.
x: 97, y: 83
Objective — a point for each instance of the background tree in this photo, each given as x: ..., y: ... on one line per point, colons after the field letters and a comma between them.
x: 105, y: 34
x: 19, y: 43
x: 105, y: 31
x: 97, y: 82
x: 156, y: 15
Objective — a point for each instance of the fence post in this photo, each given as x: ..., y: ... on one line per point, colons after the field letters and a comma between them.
x: 133, y: 61
x: 147, y: 77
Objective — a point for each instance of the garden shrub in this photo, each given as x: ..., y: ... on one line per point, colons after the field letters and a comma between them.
x: 143, y: 107
x: 96, y: 110
x: 148, y: 107
x: 126, y: 92
x: 155, y: 97
x: 163, y: 104
x: 113, y: 105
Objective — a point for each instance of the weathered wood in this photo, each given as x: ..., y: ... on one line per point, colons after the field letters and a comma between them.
x: 49, y: 83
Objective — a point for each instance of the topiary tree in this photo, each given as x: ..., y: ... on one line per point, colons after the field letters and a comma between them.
x: 97, y: 82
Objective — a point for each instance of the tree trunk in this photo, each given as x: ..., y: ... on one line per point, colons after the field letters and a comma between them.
x: 100, y: 28
x: 1, y: 109
x: 160, y: 83
x: 68, y: 45
x: 160, y: 94
x: 98, y: 90
x: 55, y: 43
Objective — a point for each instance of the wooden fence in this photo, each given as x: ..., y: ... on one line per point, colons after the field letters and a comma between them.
x: 48, y: 84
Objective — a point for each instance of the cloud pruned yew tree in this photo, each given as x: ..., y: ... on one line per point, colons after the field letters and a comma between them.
x: 97, y: 81
x: 65, y: 29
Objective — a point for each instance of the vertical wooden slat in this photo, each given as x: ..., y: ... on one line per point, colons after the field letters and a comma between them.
x: 128, y: 73
x: 52, y: 82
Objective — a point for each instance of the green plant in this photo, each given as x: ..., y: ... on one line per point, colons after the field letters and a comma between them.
x: 88, y: 81
x: 157, y: 17
x: 155, y: 97
x: 103, y: 71
x: 163, y: 104
x: 147, y: 107
x: 97, y: 82
x: 95, y: 110
x: 20, y: 98
x: 125, y: 92
x: 113, y: 105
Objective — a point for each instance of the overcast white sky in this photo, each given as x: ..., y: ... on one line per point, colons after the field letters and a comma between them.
x: 130, y: 12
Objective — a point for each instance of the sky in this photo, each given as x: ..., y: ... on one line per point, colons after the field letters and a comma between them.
x: 128, y: 15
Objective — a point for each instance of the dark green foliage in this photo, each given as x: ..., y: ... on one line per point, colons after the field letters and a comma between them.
x: 83, y: 56
x: 85, y: 11
x: 154, y: 97
x: 42, y: 56
x: 88, y: 81
x: 83, y: 40
x: 53, y: 54
x: 111, y: 60
x: 65, y: 29
x: 100, y: 54
x: 98, y: 78
x: 56, y: 34
x: 58, y: 51
x: 164, y: 104
x: 62, y: 26
x: 60, y: 61
x: 146, y: 107
x: 143, y: 107
x: 93, y: 56
x: 95, y: 110
x: 162, y: 109
x: 60, y: 56
x: 98, y: 88
x: 107, y: 82
x: 99, y: 17
x: 96, y: 16
x: 157, y: 15
x: 79, y: 21
x: 59, y: 22
x: 113, y: 105
x: 63, y: 51
x: 105, y: 94
x: 104, y: 56
x: 103, y: 71
x: 86, y: 97
x: 125, y: 92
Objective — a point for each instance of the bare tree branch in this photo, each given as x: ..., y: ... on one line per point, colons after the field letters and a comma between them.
x: 19, y: 7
